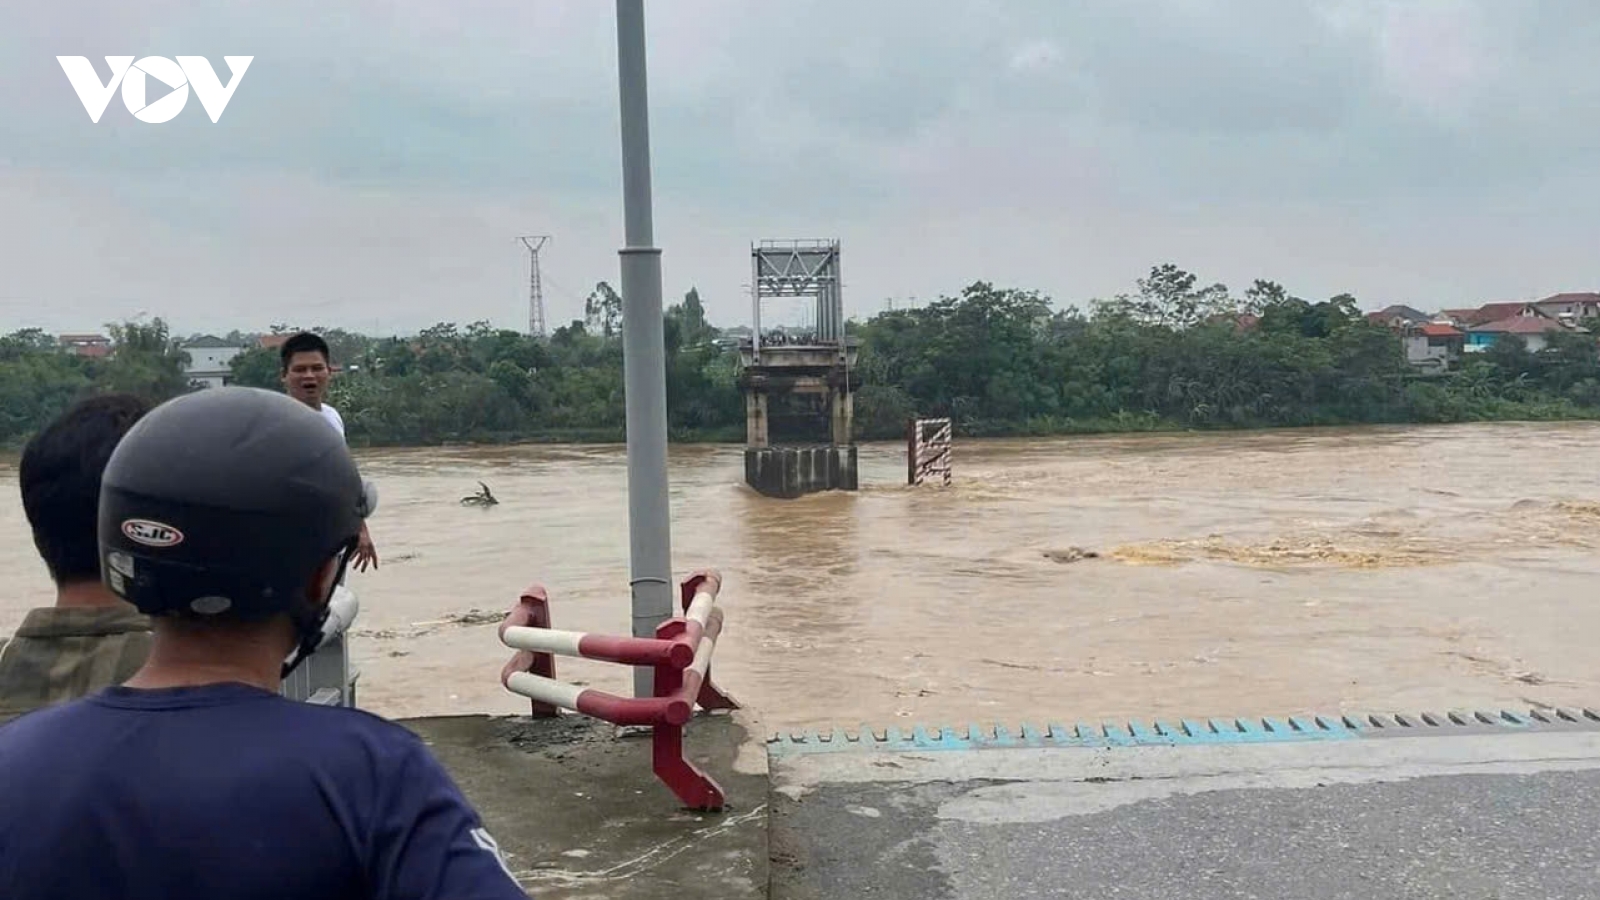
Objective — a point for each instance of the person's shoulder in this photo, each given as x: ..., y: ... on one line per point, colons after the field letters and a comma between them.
x: 330, y: 413
x: 21, y: 725
x: 345, y: 722
x: 349, y: 720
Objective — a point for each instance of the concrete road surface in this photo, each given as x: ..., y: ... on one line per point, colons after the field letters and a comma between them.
x: 1459, y: 816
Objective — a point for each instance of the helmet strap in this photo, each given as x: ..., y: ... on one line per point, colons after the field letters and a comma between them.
x: 308, y: 619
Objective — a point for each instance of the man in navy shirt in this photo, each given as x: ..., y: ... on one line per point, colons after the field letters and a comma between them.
x: 228, y: 516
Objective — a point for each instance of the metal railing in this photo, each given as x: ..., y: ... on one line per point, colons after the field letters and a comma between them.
x: 679, y: 654
x: 327, y: 677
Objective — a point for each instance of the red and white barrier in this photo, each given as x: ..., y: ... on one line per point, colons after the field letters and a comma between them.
x: 680, y: 654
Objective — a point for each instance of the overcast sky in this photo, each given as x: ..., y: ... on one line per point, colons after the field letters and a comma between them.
x: 378, y: 159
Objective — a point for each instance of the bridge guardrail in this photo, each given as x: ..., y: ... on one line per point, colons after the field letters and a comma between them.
x: 680, y: 655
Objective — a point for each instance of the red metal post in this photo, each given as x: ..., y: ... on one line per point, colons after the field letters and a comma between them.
x: 635, y: 710
x: 693, y: 787
x: 710, y: 696
x: 691, y: 585
x: 631, y: 651
x: 532, y: 611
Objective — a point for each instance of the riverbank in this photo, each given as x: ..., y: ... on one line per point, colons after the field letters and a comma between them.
x: 1041, y: 427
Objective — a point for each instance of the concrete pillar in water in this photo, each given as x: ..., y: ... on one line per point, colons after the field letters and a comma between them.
x: 755, y: 418
x: 842, y: 403
x: 821, y: 368
x: 790, y: 472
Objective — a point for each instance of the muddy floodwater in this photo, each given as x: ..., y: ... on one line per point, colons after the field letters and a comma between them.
x: 1387, y: 569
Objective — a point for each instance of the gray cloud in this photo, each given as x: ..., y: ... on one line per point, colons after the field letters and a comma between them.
x: 379, y: 157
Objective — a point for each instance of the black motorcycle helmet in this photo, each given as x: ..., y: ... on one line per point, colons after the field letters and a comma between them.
x: 223, y: 503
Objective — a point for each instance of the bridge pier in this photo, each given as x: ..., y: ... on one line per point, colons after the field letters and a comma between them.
x: 811, y: 368
x: 792, y: 469
x: 790, y: 472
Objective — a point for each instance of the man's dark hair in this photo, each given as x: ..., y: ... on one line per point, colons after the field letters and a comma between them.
x: 60, y: 480
x: 304, y: 342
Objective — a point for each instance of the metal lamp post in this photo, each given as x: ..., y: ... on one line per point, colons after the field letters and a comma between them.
x: 643, y: 350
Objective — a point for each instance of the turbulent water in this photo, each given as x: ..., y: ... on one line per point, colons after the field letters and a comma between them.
x: 1270, y: 573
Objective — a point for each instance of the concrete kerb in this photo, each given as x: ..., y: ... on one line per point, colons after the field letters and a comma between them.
x: 579, y: 813
x: 1182, y: 732
x: 1023, y: 811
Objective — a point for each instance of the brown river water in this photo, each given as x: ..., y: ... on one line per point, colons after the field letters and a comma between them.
x: 1388, y: 569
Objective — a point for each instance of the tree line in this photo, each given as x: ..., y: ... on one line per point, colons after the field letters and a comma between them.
x: 1173, y: 353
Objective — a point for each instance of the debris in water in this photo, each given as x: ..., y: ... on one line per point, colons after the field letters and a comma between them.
x: 1070, y: 555
x: 1283, y: 551
x: 419, y: 629
x: 484, y: 497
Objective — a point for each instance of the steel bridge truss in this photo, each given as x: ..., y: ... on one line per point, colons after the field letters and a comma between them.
x: 799, y: 268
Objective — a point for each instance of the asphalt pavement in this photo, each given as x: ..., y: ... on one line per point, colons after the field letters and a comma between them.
x: 1477, y: 814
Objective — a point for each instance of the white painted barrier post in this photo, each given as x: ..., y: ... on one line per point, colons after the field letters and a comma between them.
x: 928, y: 450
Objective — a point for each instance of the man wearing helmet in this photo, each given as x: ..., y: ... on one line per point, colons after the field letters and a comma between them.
x: 306, y: 369
x: 228, y: 516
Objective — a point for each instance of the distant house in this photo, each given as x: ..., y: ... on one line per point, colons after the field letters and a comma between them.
x: 94, y: 346
x: 1533, y: 326
x: 1491, y: 312
x: 1571, y: 308
x: 1433, y: 345
x: 1398, y: 316
x: 1460, y: 318
x: 274, y: 341
x: 210, y: 361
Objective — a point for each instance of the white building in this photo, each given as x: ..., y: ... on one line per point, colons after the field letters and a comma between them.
x: 210, y: 361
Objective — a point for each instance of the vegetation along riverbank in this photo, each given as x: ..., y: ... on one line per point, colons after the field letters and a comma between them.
x: 1173, y: 354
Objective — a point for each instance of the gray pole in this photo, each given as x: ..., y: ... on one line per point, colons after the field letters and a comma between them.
x: 643, y: 350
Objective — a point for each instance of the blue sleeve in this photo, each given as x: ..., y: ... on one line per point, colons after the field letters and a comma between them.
x: 428, y: 843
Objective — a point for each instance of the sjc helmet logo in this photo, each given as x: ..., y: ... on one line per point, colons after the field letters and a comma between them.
x: 151, y: 534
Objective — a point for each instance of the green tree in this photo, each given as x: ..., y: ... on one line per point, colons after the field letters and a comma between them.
x: 258, y: 367
x: 602, y: 311
x: 145, y: 360
x: 999, y: 360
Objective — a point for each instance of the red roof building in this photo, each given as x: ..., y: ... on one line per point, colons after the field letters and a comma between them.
x: 1522, y: 325
x: 1571, y: 307
x: 93, y: 346
x: 1531, y: 326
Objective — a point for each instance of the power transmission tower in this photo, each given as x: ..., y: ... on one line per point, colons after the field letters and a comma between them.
x: 536, y: 326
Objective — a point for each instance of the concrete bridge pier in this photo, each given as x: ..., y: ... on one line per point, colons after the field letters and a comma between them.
x: 816, y: 361
x: 795, y: 469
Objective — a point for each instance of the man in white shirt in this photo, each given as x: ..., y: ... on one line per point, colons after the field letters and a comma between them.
x: 305, y: 372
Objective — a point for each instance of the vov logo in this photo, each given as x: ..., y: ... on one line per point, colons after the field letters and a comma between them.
x: 134, y: 78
